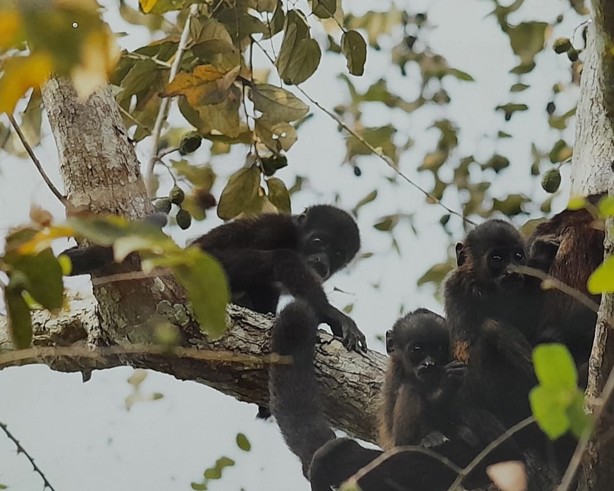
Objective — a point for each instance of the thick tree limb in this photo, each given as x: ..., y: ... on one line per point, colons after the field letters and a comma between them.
x: 593, y: 173
x: 350, y: 381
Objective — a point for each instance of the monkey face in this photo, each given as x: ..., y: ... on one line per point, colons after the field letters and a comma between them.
x: 426, y: 361
x: 501, y: 266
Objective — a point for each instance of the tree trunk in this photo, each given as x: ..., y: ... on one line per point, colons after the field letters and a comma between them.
x: 102, y: 175
x: 592, y: 173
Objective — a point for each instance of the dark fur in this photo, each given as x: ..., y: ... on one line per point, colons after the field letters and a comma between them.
x: 264, y: 255
x: 420, y: 381
x: 328, y: 461
x: 489, y: 314
x: 574, y: 239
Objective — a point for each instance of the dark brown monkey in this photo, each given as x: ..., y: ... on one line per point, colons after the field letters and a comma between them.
x: 271, y: 253
x: 420, y: 383
x: 569, y: 247
x: 328, y: 461
x: 489, y: 308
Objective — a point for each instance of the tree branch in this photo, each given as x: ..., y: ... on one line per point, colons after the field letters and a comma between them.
x: 21, y: 449
x: 234, y: 365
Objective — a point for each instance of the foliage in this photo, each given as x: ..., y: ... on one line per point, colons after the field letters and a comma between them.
x: 215, y: 472
x: 35, y: 274
x: 557, y: 402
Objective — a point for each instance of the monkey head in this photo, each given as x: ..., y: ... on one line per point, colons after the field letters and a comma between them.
x: 328, y: 237
x: 493, y: 250
x: 418, y: 344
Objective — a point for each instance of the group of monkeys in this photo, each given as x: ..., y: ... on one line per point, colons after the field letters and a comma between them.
x: 453, y: 384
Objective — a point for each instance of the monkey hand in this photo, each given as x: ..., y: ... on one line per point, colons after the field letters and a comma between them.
x: 341, y: 325
x: 433, y: 439
x: 455, y: 371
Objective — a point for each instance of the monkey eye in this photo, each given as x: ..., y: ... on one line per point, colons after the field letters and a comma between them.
x: 316, y: 241
x: 519, y: 255
x: 496, y: 257
x: 417, y: 348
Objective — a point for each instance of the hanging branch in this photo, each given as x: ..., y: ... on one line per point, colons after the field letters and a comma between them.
x: 22, y: 450
x: 37, y: 162
x: 165, y: 104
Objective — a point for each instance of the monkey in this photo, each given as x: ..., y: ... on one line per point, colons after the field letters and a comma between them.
x: 420, y: 382
x: 265, y: 255
x: 490, y: 311
x: 569, y: 247
x: 328, y: 461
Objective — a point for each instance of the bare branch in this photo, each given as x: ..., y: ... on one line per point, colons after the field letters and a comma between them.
x: 165, y: 103
x: 22, y: 450
x: 37, y: 162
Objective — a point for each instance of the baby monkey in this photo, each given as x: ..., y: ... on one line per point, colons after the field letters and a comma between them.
x: 421, y: 382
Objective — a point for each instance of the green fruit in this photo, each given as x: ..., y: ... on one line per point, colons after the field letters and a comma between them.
x: 551, y: 181
x: 163, y: 205
x: 573, y: 54
x: 184, y: 219
x: 190, y: 143
x: 562, y: 45
x: 176, y: 195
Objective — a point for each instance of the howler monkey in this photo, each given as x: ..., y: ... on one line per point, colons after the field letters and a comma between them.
x: 569, y: 247
x: 420, y: 382
x: 328, y: 461
x: 489, y: 308
x: 271, y: 253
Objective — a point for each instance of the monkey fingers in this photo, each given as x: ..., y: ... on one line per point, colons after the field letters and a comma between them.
x: 341, y: 325
x: 456, y: 370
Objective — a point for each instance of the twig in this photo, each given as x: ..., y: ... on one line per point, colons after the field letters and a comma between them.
x: 165, y: 104
x: 22, y: 450
x: 375, y: 463
x: 559, y: 285
x: 34, y: 354
x: 37, y: 163
x: 489, y: 448
x: 372, y: 149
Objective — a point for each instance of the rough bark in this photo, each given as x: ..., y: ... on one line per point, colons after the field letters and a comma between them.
x: 350, y: 381
x: 101, y: 175
x: 592, y: 173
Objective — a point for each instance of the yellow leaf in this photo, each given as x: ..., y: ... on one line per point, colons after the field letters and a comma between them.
x: 20, y: 75
x: 43, y: 239
x: 99, y: 54
x: 205, y: 85
x: 147, y: 5
x: 10, y: 28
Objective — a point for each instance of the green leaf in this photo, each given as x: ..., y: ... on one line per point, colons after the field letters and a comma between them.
x: 278, y: 194
x: 240, y: 194
x: 606, y: 206
x: 354, y: 48
x: 299, y: 55
x: 277, y: 136
x: 527, y: 39
x: 602, y: 279
x: 205, y: 283
x: 387, y: 223
x: 555, y: 367
x: 580, y: 422
x: 549, y: 413
x: 519, y: 87
x: 44, y: 277
x: 18, y: 316
x: 436, y: 273
x: 459, y: 74
x: 324, y: 9
x: 277, y: 104
x: 243, y: 443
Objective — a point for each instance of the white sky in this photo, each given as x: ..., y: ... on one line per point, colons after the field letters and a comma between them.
x: 82, y: 436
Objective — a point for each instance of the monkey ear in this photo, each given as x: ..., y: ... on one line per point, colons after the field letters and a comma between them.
x: 300, y: 219
x: 389, y: 342
x: 461, y: 254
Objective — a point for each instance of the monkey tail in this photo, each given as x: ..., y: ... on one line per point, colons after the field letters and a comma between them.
x: 293, y: 388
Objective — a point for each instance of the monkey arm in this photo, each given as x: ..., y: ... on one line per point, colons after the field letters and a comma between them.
x: 248, y: 268
x: 88, y: 259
